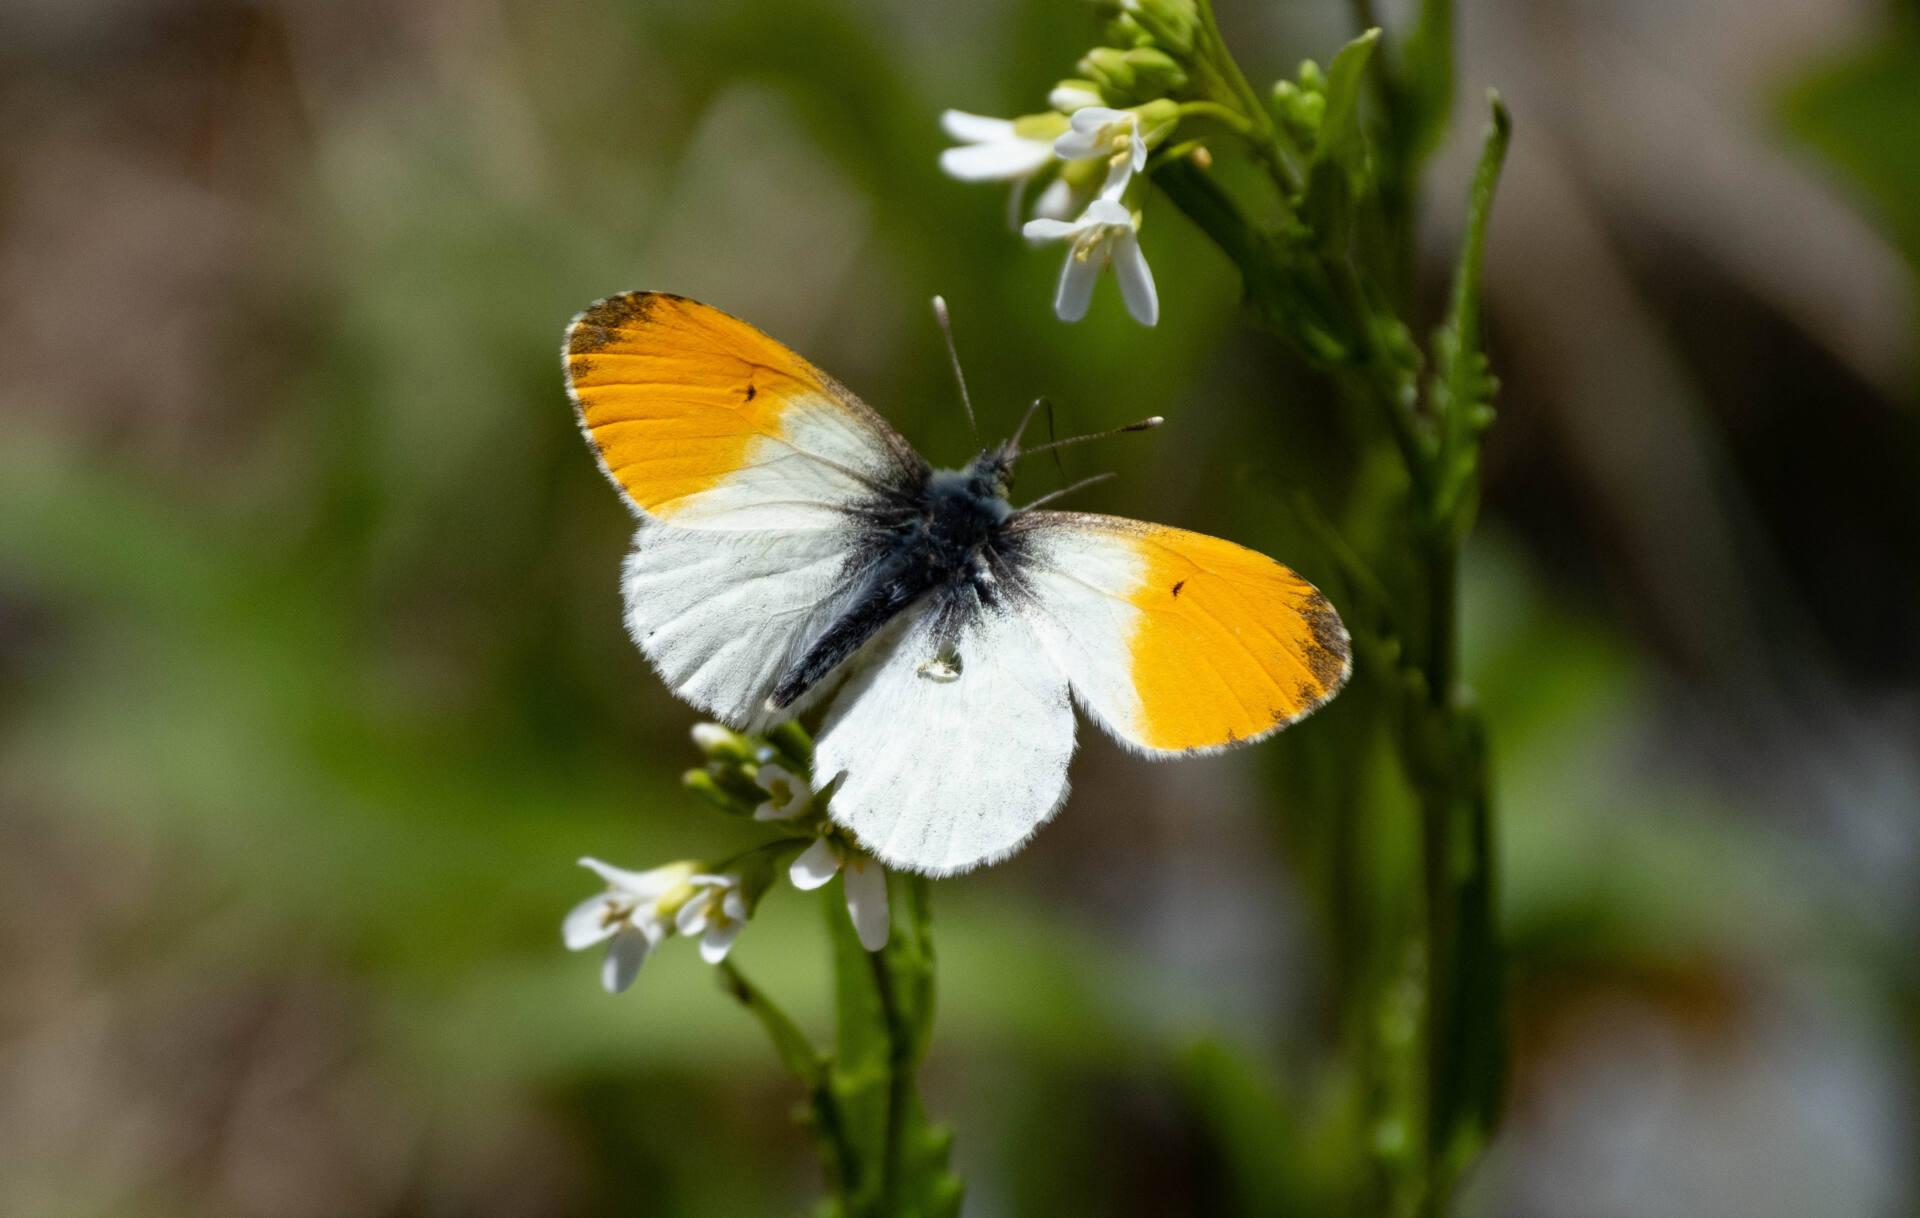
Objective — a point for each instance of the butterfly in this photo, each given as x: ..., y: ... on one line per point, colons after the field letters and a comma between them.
x: 794, y: 550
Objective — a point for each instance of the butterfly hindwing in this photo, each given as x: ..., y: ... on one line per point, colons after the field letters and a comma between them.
x: 1176, y: 642
x: 953, y: 735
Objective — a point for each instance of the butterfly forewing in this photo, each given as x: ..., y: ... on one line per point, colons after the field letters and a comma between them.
x: 705, y: 422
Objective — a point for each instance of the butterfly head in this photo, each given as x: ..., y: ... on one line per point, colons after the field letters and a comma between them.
x: 990, y: 475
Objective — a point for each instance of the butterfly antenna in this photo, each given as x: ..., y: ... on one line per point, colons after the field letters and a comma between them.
x: 953, y: 354
x: 1013, y: 445
x: 1051, y: 437
x: 1050, y: 496
x: 1142, y: 425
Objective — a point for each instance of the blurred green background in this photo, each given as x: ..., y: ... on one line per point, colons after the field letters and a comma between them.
x: 313, y: 684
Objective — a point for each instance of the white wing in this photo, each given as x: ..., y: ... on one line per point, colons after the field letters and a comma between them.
x: 954, y: 744
x: 721, y: 614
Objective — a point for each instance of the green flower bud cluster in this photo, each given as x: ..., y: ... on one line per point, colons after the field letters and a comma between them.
x: 1173, y: 25
x: 1299, y: 106
x: 757, y: 776
x: 1124, y: 78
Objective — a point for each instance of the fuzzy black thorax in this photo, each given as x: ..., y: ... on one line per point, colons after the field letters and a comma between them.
x: 944, y: 537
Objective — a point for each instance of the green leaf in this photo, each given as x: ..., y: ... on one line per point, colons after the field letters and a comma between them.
x: 1461, y: 391
x: 1261, y: 1144
x: 1863, y: 115
x: 1425, y: 93
x: 1341, y: 137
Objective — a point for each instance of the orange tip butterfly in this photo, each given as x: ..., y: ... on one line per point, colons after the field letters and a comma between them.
x: 793, y: 548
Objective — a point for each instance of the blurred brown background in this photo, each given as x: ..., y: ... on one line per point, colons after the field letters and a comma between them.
x: 312, y: 683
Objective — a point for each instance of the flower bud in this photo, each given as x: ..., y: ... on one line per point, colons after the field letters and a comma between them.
x: 703, y: 784
x: 1071, y: 95
x: 1310, y: 109
x: 1312, y: 79
x: 1155, y: 72
x: 794, y: 743
x: 1157, y: 120
x: 1174, y: 24
x: 1108, y: 68
x: 721, y: 743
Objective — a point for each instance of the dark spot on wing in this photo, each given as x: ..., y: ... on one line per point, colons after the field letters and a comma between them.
x: 751, y: 393
x: 600, y: 324
x: 1178, y: 586
x: 1327, y: 654
x: 1233, y: 737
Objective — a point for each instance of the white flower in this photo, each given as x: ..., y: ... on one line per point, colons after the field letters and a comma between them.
x: 1099, y: 132
x: 990, y: 150
x: 787, y: 796
x: 1104, y: 235
x: 715, y: 912
x: 626, y: 917
x: 866, y: 883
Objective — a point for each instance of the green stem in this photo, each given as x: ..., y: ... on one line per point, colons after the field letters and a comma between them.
x: 1221, y: 77
x: 900, y: 1081
x: 803, y: 1061
x: 1433, y: 1078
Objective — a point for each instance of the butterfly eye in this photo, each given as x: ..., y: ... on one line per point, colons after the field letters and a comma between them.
x: 944, y: 667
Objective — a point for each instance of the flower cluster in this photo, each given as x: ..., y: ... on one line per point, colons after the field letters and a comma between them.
x: 1089, y: 151
x: 1090, y: 157
x: 752, y: 777
x: 1110, y: 128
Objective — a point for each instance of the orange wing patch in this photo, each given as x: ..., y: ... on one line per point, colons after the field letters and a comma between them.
x: 1229, y: 645
x: 673, y: 392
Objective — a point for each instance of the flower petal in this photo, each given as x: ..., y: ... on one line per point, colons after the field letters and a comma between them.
x: 1136, y: 280
x: 1075, y: 293
x: 1077, y: 146
x: 1071, y: 99
x: 1055, y: 202
x: 692, y: 918
x: 1107, y: 211
x: 587, y: 924
x: 976, y: 128
x: 997, y: 162
x: 625, y: 955
x: 645, y: 885
x: 1049, y: 230
x: 866, y: 884
x: 714, y: 944
x: 1139, y: 149
x: 815, y: 866
x: 1092, y: 118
